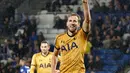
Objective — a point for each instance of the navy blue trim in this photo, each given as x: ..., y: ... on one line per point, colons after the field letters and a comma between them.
x: 57, y: 48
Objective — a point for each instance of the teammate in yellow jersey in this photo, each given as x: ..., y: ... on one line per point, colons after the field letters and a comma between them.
x: 72, y: 44
x: 41, y: 62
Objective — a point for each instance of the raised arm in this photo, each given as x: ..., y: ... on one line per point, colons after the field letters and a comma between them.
x: 87, y: 17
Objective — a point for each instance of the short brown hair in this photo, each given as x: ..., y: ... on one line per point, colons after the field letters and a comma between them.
x: 44, y: 42
x: 74, y: 14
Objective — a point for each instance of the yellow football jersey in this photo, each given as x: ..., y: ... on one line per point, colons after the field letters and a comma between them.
x: 72, y: 49
x: 42, y: 63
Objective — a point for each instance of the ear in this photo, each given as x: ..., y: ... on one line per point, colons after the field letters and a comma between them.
x: 78, y: 25
x: 67, y: 24
x: 48, y: 47
x: 40, y: 47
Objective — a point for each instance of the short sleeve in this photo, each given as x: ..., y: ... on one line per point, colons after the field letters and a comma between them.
x: 83, y: 33
x: 33, y: 63
x: 57, y: 46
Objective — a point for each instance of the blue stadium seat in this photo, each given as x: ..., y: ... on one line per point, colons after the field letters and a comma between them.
x: 110, y: 68
x: 87, y: 71
x: 100, y: 72
x: 104, y: 72
x: 110, y: 62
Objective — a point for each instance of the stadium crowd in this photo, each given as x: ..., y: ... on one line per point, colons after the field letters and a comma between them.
x: 110, y: 37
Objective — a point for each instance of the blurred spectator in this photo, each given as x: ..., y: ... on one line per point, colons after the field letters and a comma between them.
x: 111, y: 7
x: 21, y: 50
x: 126, y: 36
x: 24, y: 67
x: 48, y: 6
x: 107, y: 20
x: 64, y: 21
x: 81, y: 14
x: 33, y: 37
x: 26, y: 20
x: 6, y: 50
x: 6, y: 26
x: 36, y: 46
x: 56, y: 5
x: 1, y: 67
x: 40, y: 38
x: 107, y: 42
x: 9, y: 68
x: 90, y: 65
x: 103, y: 30
x: 104, y: 8
x: 14, y: 47
x: 16, y: 61
x: 128, y: 23
x: 111, y: 33
x: 122, y: 24
x: 58, y: 22
x: 98, y: 65
x: 98, y: 43
x: 116, y: 42
x: 117, y: 5
x: 32, y: 26
x: 10, y: 12
x: 96, y: 7
x: 33, y: 42
x: 25, y: 38
x: 99, y: 21
x: 126, y: 9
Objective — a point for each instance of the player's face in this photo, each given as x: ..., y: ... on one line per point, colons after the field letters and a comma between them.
x: 72, y: 23
x: 44, y: 47
x: 21, y: 62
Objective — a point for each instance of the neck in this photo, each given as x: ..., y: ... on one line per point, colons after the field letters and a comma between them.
x: 71, y: 33
x: 45, y: 53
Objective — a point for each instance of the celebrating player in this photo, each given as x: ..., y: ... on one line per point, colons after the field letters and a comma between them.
x: 72, y: 44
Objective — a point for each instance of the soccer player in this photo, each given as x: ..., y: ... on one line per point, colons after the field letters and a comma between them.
x: 24, y: 67
x: 72, y: 44
x: 41, y: 62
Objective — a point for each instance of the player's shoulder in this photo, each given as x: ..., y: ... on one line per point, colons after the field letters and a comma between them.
x: 60, y: 35
x: 50, y: 53
x: 82, y: 31
x: 37, y: 54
